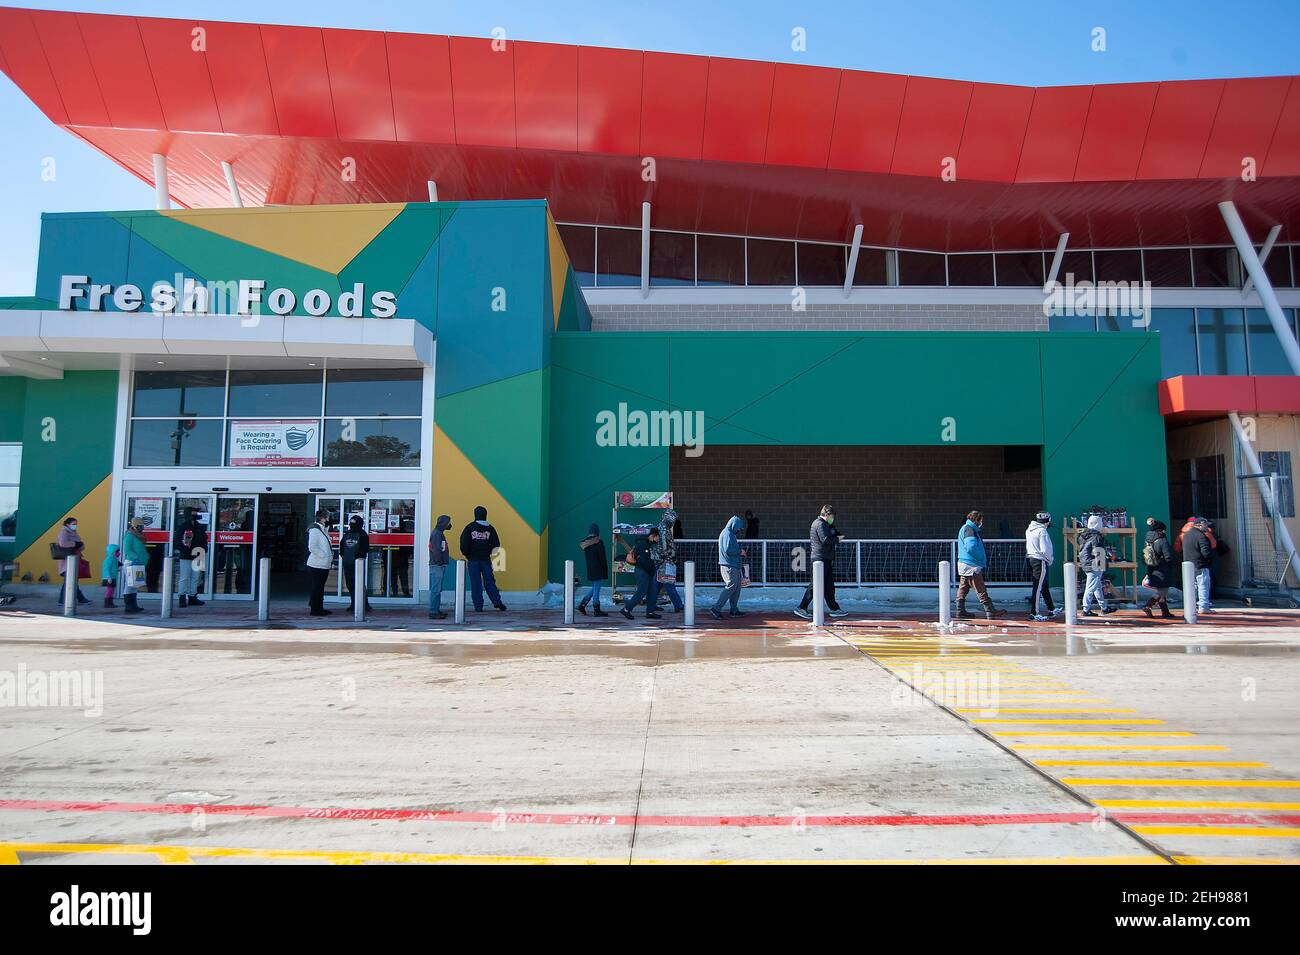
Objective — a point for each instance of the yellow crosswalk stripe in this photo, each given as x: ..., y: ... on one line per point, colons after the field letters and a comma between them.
x: 1196, y: 804
x: 1253, y: 832
x: 1188, y: 783
x: 1126, y: 722
x: 1127, y: 747
x: 1117, y: 733
x: 1048, y: 709
x: 1185, y: 763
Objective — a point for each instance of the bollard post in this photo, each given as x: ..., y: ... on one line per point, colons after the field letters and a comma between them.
x: 568, y: 592
x: 1071, y: 594
x: 819, y: 588
x: 460, y: 591
x: 1189, y: 591
x: 359, y: 590
x: 70, y: 567
x: 169, y: 571
x: 688, y: 617
x: 264, y: 589
x: 945, y: 593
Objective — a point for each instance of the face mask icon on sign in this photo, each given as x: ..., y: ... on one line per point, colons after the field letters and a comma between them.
x: 296, y: 440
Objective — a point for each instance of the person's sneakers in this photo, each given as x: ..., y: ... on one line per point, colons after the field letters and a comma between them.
x: 1089, y: 613
x: 196, y: 602
x: 501, y: 607
x: 715, y: 613
x: 1108, y: 610
x: 800, y: 612
x: 597, y: 612
x: 625, y: 612
x: 438, y: 615
x: 1040, y: 617
x: 1146, y: 609
x: 837, y: 612
x: 962, y: 613
x: 993, y: 613
x: 320, y: 613
x: 1057, y: 612
x: 736, y: 613
x: 1206, y: 610
x: 184, y: 600
x: 582, y: 608
x: 652, y: 615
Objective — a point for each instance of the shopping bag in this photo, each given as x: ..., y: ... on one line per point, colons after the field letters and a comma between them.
x: 83, y: 569
x: 668, y: 575
x: 134, y: 576
x: 744, y: 575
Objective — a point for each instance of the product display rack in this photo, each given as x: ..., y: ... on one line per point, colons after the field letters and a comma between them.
x: 1124, y: 540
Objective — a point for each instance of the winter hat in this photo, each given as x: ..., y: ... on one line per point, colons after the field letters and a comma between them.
x: 355, y: 522
x: 1155, y: 525
x: 1094, y: 522
x: 1043, y: 517
x: 480, y: 513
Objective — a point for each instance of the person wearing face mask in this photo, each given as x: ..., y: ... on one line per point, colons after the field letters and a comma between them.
x: 1093, y: 561
x: 972, y: 560
x: 823, y: 536
x: 72, y: 545
x: 1038, y: 556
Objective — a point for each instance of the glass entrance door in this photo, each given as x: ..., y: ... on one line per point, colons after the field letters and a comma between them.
x: 202, y: 506
x: 390, y: 522
x: 155, y: 511
x: 233, y: 568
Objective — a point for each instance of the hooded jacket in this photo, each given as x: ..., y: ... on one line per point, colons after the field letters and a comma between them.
x: 479, y: 539
x: 108, y: 570
x: 438, y: 550
x: 189, y: 536
x: 666, y: 550
x: 970, y: 546
x: 822, y: 538
x: 1191, y: 523
x: 1092, y: 551
x: 1038, y: 543
x: 1198, y: 547
x: 134, y: 549
x: 354, y: 544
x: 593, y: 550
x: 1161, y: 573
x: 729, y: 544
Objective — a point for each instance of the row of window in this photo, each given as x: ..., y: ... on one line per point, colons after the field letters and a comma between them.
x: 1202, y: 341
x: 607, y: 256
x: 277, y: 392
x: 11, y: 465
x: 1198, y: 486
x: 214, y: 442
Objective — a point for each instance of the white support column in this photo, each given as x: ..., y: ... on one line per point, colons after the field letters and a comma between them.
x: 161, y: 194
x: 945, y: 593
x: 1189, y: 591
x: 232, y: 185
x: 264, y: 589
x: 1267, y: 298
x: 819, y: 591
x: 854, y: 249
x: 433, y: 191
x: 645, y: 249
x: 168, y: 585
x: 568, y: 593
x: 1252, y: 461
x: 70, y: 584
x: 688, y: 617
x: 1071, y: 593
x: 1264, y: 251
x: 1055, y: 270
x: 460, y: 591
x: 359, y: 590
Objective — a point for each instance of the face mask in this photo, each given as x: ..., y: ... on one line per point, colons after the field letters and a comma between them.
x: 831, y: 519
x: 72, y: 527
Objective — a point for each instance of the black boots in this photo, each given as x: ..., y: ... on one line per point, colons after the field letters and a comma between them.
x: 1146, y: 607
x: 596, y: 611
x: 131, y: 604
x: 108, y: 602
x: 582, y: 607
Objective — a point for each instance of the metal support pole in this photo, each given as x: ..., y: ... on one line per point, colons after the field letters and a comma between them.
x: 359, y: 590
x: 1059, y: 255
x: 645, y: 250
x: 945, y: 593
x: 169, y: 571
x: 460, y: 591
x: 70, y: 567
x: 688, y: 618
x: 819, y: 588
x: 232, y: 185
x: 1290, y: 347
x: 568, y: 592
x: 161, y: 194
x: 1265, y: 249
x: 1189, y: 591
x: 1071, y: 593
x: 433, y: 191
x: 264, y: 589
x: 1252, y: 460
x: 854, y: 248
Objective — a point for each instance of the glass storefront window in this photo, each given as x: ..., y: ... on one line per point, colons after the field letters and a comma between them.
x: 618, y: 257
x: 11, y: 459
x: 1216, y: 268
x: 1177, y: 328
x: 821, y: 264
x: 1020, y: 269
x: 721, y: 260
x: 195, y: 394
x: 1167, y: 268
x: 1076, y: 264
x: 672, y: 258
x: 873, y: 267
x: 1266, y: 355
x: 770, y: 262
x: 169, y: 442
x: 1278, y: 267
x: 580, y: 242
x: 921, y: 268
x: 1117, y: 265
x: 970, y: 270
x: 1221, y: 334
x: 275, y: 392
x: 373, y: 391
x: 372, y: 442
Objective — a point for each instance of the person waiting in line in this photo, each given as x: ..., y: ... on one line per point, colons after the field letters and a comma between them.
x: 109, y: 570
x: 1093, y: 561
x: 477, y: 542
x: 439, y: 557
x: 401, y: 572
x: 751, y: 526
x: 664, y: 554
x: 320, y: 558
x: 189, y: 543
x: 641, y: 558
x: 972, y: 561
x: 731, y: 564
x: 1158, y: 556
x: 1039, y: 556
x: 593, y: 552
x: 354, y: 545
x: 823, y: 537
x: 135, y: 555
x: 1198, y: 547
x: 71, y: 545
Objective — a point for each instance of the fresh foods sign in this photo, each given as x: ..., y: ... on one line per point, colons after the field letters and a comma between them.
x: 282, y: 443
x: 188, y: 296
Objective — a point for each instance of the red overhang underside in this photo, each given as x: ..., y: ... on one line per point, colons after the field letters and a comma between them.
x: 714, y: 144
x: 1190, y: 398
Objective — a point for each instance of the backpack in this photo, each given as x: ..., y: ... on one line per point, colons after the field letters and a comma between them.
x: 1149, y: 555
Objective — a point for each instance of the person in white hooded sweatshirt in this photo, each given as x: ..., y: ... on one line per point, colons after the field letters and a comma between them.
x: 1039, y: 556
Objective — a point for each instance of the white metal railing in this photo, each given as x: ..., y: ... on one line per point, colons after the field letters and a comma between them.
x: 782, y: 562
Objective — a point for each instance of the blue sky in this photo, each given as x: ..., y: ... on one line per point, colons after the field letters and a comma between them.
x: 1033, y: 43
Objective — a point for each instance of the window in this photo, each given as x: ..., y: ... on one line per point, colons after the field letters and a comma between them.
x: 672, y: 258
x: 275, y: 392
x: 1216, y: 268
x: 770, y: 262
x: 1177, y: 329
x: 374, y: 392
x: 1020, y: 269
x: 1167, y: 268
x: 921, y: 268
x: 1117, y: 265
x: 193, y: 394
x: 1266, y: 356
x: 1279, y: 463
x: 174, y: 443
x: 1071, y: 323
x: 11, y: 461
x: 721, y: 260
x: 372, y: 443
x: 872, y: 268
x: 1278, y: 267
x: 970, y: 269
x: 580, y: 242
x: 821, y: 264
x: 1076, y: 264
x: 1221, y: 334
x: 618, y: 257
x: 1197, y: 486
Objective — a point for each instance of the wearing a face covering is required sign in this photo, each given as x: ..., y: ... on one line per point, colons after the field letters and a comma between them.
x: 274, y: 443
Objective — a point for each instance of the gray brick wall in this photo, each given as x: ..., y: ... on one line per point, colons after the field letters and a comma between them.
x: 747, y: 317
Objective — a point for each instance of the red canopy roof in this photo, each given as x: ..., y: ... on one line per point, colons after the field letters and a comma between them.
x: 1190, y: 398
x: 739, y: 145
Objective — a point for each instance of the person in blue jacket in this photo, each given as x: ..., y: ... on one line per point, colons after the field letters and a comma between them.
x: 732, y: 566
x: 972, y: 561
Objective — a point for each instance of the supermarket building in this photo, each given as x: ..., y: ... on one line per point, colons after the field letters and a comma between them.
x: 872, y: 289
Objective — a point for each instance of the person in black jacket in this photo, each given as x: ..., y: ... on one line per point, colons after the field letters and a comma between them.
x: 190, y: 547
x: 477, y: 542
x: 439, y: 557
x: 1158, y: 556
x: 642, y: 560
x: 1198, y: 549
x: 751, y: 526
x: 354, y: 545
x: 822, y: 538
x: 593, y: 550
